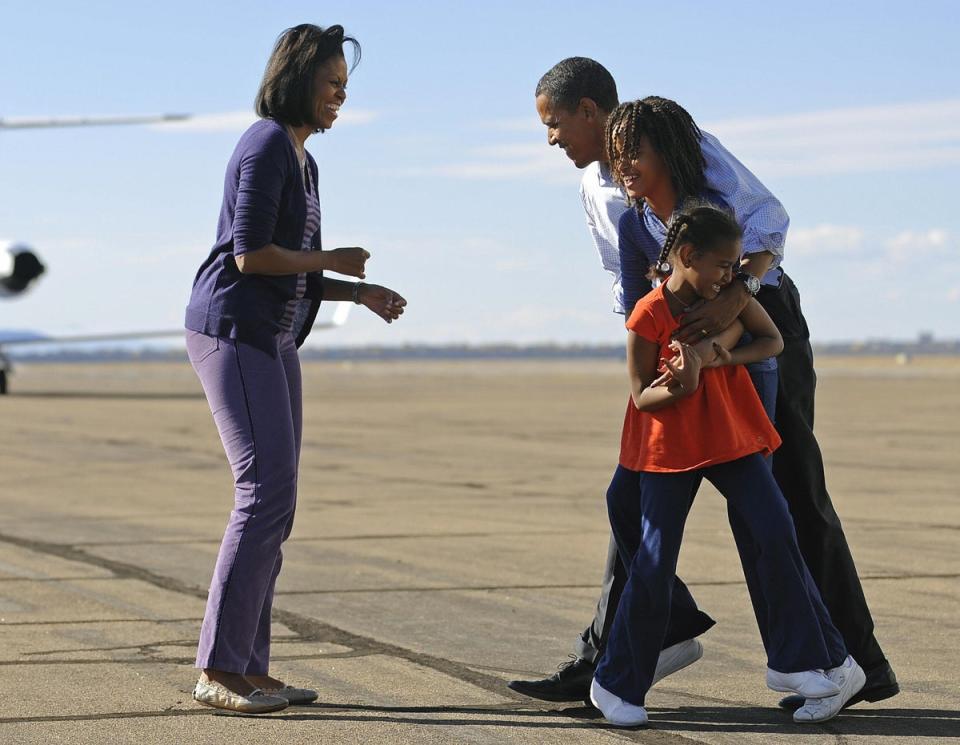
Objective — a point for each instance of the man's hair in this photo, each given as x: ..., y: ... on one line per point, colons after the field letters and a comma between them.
x: 671, y: 132
x: 578, y: 77
x: 287, y: 90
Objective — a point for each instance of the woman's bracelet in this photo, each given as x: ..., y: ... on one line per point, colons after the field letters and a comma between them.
x: 355, y: 293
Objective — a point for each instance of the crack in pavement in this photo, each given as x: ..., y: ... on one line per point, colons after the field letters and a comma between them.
x: 174, y: 660
x: 100, y: 621
x: 308, y: 629
x: 493, y: 588
x: 359, y: 537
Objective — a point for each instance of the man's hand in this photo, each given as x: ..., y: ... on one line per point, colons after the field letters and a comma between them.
x: 709, y: 317
x: 350, y: 261
x: 383, y: 301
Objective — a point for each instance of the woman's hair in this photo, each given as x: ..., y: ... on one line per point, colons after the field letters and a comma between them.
x: 703, y: 227
x: 287, y: 89
x: 672, y: 133
x: 578, y: 77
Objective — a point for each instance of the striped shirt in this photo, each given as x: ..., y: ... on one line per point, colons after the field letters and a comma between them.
x: 759, y: 213
x: 297, y: 309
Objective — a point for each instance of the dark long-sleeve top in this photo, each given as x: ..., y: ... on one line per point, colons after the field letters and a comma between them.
x: 263, y: 202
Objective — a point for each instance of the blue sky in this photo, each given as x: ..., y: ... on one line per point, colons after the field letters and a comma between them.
x: 849, y: 112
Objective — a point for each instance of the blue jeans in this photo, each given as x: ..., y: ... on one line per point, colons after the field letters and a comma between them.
x: 686, y: 620
x: 648, y: 526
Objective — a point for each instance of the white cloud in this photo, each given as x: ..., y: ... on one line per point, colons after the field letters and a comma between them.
x: 953, y: 295
x: 908, y: 136
x: 520, y: 124
x: 894, y: 137
x: 910, y: 244
x: 851, y: 241
x: 509, y: 161
x: 836, y: 241
x: 237, y: 121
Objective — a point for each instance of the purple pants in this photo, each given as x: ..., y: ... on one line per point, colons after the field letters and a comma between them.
x: 256, y: 402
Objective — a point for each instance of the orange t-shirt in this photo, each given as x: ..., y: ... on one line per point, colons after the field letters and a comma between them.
x: 719, y: 422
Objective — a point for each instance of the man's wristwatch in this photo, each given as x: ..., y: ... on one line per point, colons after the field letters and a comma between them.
x: 750, y: 282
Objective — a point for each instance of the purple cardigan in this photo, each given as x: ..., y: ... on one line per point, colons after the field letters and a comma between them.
x: 263, y: 202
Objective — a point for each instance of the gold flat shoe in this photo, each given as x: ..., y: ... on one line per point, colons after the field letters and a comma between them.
x: 213, y: 694
x: 293, y: 695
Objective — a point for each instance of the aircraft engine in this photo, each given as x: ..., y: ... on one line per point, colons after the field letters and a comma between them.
x: 19, y: 268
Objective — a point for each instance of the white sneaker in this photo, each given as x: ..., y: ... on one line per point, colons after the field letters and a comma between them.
x: 809, y: 683
x: 615, y: 710
x: 849, y: 677
x: 676, y: 658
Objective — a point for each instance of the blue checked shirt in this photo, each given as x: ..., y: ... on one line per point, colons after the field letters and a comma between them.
x: 760, y: 214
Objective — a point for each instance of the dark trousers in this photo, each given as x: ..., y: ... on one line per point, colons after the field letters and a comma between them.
x: 798, y: 469
x: 648, y: 526
x: 685, y: 620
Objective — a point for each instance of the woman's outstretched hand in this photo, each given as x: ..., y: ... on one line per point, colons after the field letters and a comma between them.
x: 350, y: 261
x: 383, y: 301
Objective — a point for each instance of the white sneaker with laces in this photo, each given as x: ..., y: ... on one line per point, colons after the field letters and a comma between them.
x: 809, y: 683
x: 615, y: 710
x: 676, y: 658
x: 849, y: 677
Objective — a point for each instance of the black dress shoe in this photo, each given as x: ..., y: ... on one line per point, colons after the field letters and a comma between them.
x: 881, y: 684
x: 571, y: 682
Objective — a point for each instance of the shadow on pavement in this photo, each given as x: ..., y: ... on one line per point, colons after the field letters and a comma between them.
x: 934, y: 723
x: 939, y: 723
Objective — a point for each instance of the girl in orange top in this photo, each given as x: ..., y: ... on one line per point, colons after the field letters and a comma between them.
x: 704, y: 420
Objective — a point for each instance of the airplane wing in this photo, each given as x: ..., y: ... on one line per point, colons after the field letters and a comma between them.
x: 14, y: 339
x: 86, y: 121
x: 9, y: 339
x: 23, y: 338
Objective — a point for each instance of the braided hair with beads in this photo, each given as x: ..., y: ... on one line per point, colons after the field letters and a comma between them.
x: 700, y: 225
x: 670, y: 130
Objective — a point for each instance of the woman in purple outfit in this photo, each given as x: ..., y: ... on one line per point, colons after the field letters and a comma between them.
x: 253, y: 302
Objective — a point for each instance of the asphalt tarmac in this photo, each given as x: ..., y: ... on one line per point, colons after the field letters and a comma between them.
x: 450, y: 536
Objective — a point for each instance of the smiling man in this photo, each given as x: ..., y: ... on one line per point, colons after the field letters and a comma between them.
x: 574, y: 100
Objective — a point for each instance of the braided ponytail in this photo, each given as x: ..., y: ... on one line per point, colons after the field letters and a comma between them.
x: 702, y: 226
x: 662, y: 268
